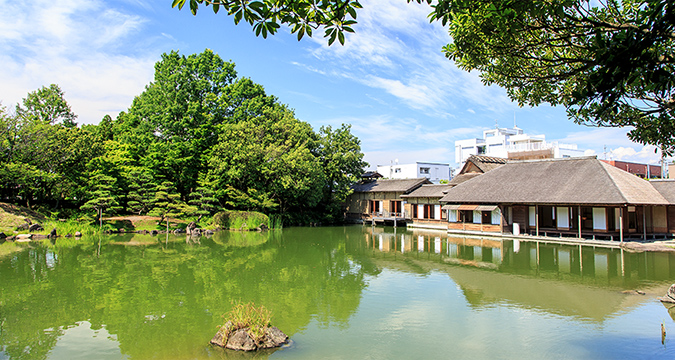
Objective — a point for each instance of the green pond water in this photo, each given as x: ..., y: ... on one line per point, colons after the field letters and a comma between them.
x: 354, y: 292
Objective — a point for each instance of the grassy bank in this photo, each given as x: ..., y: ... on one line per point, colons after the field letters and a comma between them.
x: 244, y: 220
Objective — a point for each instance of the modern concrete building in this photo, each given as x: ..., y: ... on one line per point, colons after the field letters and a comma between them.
x: 513, y: 143
x: 435, y: 172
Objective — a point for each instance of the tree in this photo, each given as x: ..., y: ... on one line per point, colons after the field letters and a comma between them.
x: 342, y: 160
x: 48, y: 106
x: 267, y: 163
x: 167, y: 204
x: 204, y: 201
x: 610, y: 63
x: 141, y: 192
x: 101, y: 196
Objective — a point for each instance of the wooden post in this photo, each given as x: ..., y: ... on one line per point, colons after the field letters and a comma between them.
x: 536, y: 219
x: 644, y: 222
x: 621, y: 224
x: 579, y: 219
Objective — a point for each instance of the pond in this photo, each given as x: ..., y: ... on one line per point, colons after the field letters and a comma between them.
x: 355, y: 292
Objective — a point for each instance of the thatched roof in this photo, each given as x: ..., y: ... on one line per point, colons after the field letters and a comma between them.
x: 428, y: 190
x: 666, y: 188
x: 575, y: 181
x: 390, y: 185
x: 462, y: 178
x: 484, y: 163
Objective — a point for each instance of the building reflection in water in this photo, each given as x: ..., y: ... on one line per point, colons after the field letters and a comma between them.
x: 525, y: 257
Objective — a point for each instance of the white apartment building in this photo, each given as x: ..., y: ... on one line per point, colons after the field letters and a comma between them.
x: 513, y: 143
x: 435, y: 172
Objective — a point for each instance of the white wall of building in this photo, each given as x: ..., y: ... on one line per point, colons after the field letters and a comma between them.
x: 435, y: 172
x: 500, y: 141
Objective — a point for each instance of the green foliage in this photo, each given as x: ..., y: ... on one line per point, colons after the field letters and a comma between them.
x: 256, y: 319
x: 141, y: 192
x: 610, y: 63
x: 167, y: 204
x: 236, y: 220
x: 204, y: 201
x: 266, y: 17
x: 102, y: 198
x: 47, y: 106
x: 210, y: 138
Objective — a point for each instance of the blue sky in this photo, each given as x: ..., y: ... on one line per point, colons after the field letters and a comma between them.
x: 390, y: 81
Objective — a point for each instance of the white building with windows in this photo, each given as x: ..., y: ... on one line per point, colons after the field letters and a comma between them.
x: 435, y: 172
x: 513, y: 143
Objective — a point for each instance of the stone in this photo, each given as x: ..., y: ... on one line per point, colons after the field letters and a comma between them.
x: 23, y: 226
x: 154, y: 232
x: 196, y: 232
x: 190, y: 227
x: 78, y: 234
x: 179, y: 231
x: 35, y: 227
x: 23, y: 237
x: 52, y: 233
x: 240, y: 340
x: 69, y: 235
x: 263, y: 227
x: 274, y: 338
x: 209, y: 232
x: 670, y: 295
x: 2, y: 235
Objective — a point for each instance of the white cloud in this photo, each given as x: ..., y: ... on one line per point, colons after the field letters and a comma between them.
x: 76, y: 44
x: 396, y: 49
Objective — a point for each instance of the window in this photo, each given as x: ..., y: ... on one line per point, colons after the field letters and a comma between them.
x: 397, y: 170
x: 481, y: 150
x: 424, y: 170
x: 374, y: 206
x: 429, y: 212
x: 466, y: 216
x: 395, y: 206
x: 414, y: 211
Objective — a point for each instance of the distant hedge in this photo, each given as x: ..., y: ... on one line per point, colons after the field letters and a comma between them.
x: 240, y: 220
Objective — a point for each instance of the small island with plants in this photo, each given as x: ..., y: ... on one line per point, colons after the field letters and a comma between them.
x: 249, y: 328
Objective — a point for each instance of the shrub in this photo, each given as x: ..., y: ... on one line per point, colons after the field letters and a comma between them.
x: 235, y: 220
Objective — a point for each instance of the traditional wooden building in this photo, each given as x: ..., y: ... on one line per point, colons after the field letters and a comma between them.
x: 425, y: 206
x: 381, y: 199
x: 581, y: 197
x: 667, y: 189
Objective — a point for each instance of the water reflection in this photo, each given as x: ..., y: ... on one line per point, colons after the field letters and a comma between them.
x: 162, y: 297
x: 587, y: 264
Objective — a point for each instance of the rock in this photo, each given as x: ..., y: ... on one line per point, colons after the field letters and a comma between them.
x: 196, y: 232
x: 154, y: 232
x: 2, y: 235
x: 23, y: 237
x: 190, y: 227
x: 243, y: 227
x: 263, y: 227
x: 179, y: 231
x: 78, y: 234
x: 274, y: 338
x: 670, y: 295
x: 52, y: 233
x: 24, y: 226
x: 121, y: 231
x: 35, y: 227
x: 209, y: 232
x: 240, y: 340
x: 69, y: 235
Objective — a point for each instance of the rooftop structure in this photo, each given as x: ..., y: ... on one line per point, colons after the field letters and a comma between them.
x: 513, y: 143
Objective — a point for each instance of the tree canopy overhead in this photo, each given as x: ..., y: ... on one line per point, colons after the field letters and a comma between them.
x: 610, y: 63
